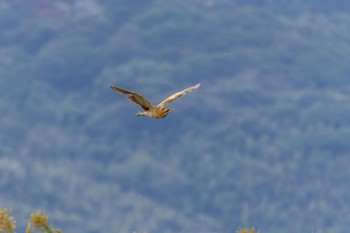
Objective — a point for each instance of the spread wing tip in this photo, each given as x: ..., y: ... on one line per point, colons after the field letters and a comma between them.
x: 122, y: 91
x: 114, y: 88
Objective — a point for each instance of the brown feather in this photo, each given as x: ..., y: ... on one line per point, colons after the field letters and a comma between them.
x: 177, y: 95
x: 136, y: 98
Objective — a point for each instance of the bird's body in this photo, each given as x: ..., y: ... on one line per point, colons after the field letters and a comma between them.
x: 156, y: 112
x: 150, y: 110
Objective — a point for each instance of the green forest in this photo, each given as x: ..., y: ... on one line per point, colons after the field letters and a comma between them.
x: 261, y: 143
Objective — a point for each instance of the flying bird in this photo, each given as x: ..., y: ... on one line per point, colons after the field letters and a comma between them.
x: 150, y: 110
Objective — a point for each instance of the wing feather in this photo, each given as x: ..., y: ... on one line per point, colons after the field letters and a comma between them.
x: 177, y: 95
x: 135, y: 97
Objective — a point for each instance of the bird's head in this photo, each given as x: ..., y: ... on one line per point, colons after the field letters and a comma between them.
x: 141, y: 114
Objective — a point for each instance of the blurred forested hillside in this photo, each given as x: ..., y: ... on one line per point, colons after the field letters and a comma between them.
x: 263, y: 142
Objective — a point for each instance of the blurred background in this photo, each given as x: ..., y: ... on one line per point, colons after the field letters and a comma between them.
x: 264, y: 142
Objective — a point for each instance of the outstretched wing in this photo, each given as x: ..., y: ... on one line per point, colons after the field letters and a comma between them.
x: 177, y: 95
x: 135, y: 97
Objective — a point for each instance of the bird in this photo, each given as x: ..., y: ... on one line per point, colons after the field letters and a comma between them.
x: 150, y: 110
